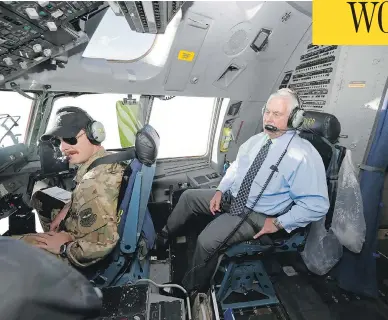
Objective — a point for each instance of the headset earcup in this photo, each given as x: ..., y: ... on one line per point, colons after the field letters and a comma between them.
x: 298, y: 118
x: 97, y: 132
x: 88, y: 131
x: 291, y: 119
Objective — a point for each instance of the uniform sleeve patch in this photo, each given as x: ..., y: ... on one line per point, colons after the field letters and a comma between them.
x: 87, y: 218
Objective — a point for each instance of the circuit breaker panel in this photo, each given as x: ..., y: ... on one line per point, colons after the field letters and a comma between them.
x: 313, y: 77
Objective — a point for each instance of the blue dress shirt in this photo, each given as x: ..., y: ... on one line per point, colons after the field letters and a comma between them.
x: 301, y: 178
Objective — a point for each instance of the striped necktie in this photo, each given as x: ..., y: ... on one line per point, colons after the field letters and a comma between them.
x: 242, y: 196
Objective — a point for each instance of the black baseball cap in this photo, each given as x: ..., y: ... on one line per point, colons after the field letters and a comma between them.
x: 69, y: 121
x: 37, y: 285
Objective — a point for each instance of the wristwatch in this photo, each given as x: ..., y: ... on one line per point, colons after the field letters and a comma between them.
x: 63, y: 250
x: 277, y: 224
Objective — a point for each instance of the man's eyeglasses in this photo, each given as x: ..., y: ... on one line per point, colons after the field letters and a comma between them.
x: 56, y: 142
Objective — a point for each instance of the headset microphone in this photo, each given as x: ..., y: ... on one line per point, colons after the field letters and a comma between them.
x: 275, y: 129
x: 271, y: 128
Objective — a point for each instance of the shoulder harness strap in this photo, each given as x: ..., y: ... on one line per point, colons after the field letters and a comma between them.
x: 125, y: 155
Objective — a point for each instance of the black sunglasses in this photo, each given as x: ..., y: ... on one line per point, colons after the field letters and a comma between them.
x: 56, y: 142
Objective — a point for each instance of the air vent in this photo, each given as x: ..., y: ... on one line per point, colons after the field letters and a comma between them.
x: 230, y: 74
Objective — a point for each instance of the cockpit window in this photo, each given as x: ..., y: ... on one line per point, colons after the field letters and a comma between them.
x: 101, y: 107
x: 183, y: 124
x: 14, y: 117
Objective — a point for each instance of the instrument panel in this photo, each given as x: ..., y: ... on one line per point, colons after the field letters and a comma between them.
x: 34, y: 31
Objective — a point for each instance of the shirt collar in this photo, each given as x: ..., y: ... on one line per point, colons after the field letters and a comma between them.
x: 284, y: 138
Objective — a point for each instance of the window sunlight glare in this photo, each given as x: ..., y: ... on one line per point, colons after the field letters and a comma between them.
x: 183, y: 124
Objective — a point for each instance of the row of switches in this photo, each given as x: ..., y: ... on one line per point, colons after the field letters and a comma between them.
x: 37, y: 48
x: 33, y: 14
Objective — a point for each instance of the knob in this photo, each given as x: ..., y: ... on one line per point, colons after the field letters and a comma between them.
x: 8, y: 61
x: 23, y: 64
x: 47, y: 52
x: 37, y: 47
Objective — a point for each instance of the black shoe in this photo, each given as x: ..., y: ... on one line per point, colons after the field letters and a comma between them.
x: 162, y: 239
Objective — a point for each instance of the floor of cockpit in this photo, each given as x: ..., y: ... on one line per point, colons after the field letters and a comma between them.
x: 302, y: 296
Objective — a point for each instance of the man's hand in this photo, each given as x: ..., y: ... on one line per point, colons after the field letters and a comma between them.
x: 268, y: 227
x: 52, y: 241
x: 215, y: 203
x: 60, y: 216
x: 32, y: 239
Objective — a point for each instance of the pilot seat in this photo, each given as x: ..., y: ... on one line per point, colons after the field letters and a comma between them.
x: 245, y: 283
x: 129, y: 260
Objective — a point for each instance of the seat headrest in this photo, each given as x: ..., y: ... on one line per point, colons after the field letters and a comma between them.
x: 147, y: 145
x: 323, y: 124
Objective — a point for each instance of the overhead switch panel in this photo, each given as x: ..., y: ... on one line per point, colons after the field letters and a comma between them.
x: 147, y: 16
x: 33, y: 32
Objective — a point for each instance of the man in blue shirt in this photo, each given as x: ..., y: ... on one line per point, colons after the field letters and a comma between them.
x: 295, y: 196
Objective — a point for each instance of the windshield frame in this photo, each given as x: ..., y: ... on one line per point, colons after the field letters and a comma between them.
x: 8, y: 131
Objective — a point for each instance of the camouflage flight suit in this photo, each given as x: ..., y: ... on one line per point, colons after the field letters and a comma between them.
x: 91, y: 219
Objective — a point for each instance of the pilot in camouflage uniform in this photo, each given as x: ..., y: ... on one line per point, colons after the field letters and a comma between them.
x: 92, y: 218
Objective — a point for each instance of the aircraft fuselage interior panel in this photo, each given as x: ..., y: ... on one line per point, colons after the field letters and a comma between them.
x: 175, y: 92
x: 205, y: 178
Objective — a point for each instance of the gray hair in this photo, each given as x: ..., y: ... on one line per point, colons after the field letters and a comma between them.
x: 293, y: 102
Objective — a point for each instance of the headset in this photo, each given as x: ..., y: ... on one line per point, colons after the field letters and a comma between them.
x: 95, y: 131
x: 296, y: 117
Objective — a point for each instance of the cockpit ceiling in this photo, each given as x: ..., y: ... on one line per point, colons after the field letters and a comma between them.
x: 305, y: 7
x: 208, y: 49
